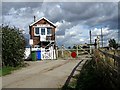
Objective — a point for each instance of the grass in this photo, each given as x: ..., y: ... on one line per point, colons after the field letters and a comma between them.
x: 92, y: 76
x: 7, y: 70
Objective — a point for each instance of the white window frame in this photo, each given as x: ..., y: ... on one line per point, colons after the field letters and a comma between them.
x: 38, y: 26
x: 41, y: 28
x: 35, y: 33
x: 47, y: 32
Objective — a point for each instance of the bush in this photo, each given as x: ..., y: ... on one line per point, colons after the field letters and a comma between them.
x: 13, y: 47
x: 113, y: 44
x: 95, y: 77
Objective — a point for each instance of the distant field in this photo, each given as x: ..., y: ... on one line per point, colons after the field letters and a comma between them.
x: 117, y: 52
x: 66, y: 54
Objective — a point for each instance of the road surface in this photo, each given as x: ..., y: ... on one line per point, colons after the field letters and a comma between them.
x: 40, y: 74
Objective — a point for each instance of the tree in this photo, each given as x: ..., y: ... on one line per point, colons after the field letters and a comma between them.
x: 13, y: 46
x: 113, y: 44
x: 74, y: 47
x: 69, y: 47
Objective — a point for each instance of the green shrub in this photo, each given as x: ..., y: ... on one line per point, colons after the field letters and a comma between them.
x: 13, y: 47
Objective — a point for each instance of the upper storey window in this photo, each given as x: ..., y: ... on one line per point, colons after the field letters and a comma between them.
x: 49, y: 31
x: 37, y: 32
x: 42, y: 31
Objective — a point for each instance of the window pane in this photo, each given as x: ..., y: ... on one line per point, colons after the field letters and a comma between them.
x: 49, y: 31
x: 42, y: 31
x: 37, y: 30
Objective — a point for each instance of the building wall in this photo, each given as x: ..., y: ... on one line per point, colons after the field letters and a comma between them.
x: 36, y: 39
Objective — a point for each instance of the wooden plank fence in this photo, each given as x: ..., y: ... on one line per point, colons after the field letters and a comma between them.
x: 114, y: 68
x: 116, y: 59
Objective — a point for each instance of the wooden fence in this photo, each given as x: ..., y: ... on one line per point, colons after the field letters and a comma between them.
x: 113, y: 63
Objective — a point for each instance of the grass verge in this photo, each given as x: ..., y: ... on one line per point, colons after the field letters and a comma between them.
x: 92, y: 76
x: 8, y: 69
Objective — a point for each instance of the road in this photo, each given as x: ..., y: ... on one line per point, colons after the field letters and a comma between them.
x: 40, y: 74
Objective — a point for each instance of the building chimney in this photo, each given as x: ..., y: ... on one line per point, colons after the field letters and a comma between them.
x: 34, y: 18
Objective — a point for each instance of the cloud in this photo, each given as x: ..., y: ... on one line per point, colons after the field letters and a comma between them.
x: 73, y: 36
x: 107, y: 34
x: 73, y: 20
x: 6, y: 6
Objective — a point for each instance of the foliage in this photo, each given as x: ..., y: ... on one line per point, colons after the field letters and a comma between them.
x: 94, y: 77
x: 69, y: 47
x: 113, y: 44
x: 95, y: 74
x: 13, y: 46
x: 74, y: 47
x: 7, y: 70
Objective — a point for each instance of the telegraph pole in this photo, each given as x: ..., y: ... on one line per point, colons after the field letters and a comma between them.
x: 90, y: 41
x: 90, y: 37
x: 101, y: 37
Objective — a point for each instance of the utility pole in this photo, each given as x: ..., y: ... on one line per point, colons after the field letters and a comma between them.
x: 90, y: 37
x: 90, y: 41
x: 119, y: 35
x: 101, y: 37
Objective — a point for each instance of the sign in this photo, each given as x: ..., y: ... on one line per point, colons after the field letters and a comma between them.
x: 73, y: 54
x: 31, y: 41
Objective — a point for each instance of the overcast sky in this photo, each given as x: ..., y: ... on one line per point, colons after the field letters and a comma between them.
x: 73, y: 19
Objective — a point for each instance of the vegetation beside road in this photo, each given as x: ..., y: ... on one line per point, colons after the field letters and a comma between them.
x: 13, y: 48
x: 7, y: 70
x: 92, y: 76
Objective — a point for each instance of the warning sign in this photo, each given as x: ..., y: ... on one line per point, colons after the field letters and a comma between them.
x: 73, y: 54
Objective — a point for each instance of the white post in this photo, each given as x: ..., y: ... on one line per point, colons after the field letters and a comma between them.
x: 62, y: 51
x: 77, y: 50
x: 31, y: 43
x: 98, y: 44
x: 56, y: 52
x: 53, y: 51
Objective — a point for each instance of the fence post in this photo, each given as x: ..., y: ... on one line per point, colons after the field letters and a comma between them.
x: 57, y: 51
x: 77, y: 50
x: 114, y: 60
x: 62, y: 51
x: 118, y: 74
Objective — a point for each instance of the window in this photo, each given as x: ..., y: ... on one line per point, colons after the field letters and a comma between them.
x: 49, y: 31
x: 36, y: 31
x: 42, y: 31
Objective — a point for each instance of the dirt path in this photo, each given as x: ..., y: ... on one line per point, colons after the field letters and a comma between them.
x: 41, y: 74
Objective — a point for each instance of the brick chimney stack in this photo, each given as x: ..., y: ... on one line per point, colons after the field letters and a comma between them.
x: 34, y: 18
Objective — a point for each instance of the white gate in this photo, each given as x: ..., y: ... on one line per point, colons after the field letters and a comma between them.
x: 48, y: 53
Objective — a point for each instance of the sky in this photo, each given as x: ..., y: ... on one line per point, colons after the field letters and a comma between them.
x: 74, y: 20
